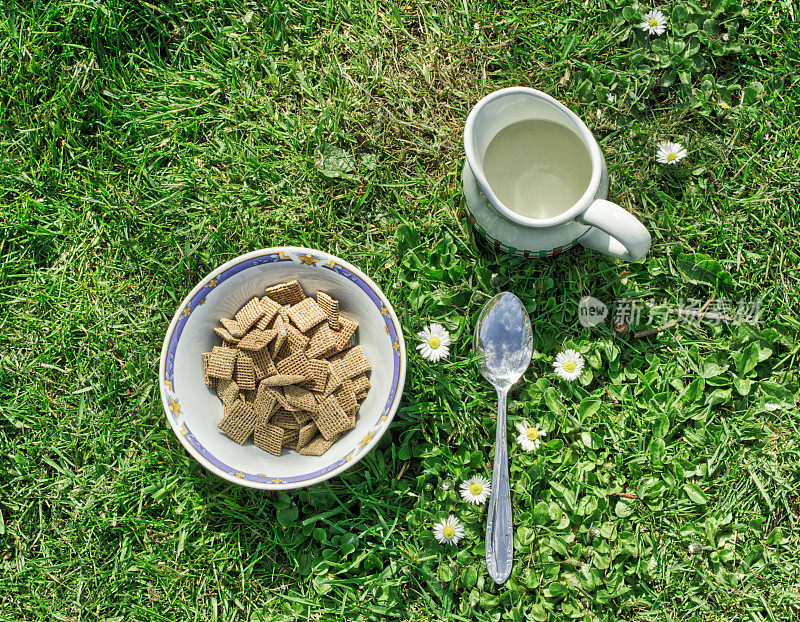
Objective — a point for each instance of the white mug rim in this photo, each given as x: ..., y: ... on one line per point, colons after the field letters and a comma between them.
x: 588, y: 140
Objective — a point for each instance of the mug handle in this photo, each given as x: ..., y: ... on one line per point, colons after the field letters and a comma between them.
x: 615, y: 231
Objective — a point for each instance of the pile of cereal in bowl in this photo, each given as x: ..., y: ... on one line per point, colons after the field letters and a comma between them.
x: 287, y: 372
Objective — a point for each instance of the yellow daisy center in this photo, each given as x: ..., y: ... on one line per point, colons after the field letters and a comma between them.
x: 653, y: 22
x: 569, y: 366
x: 434, y: 342
x: 475, y: 488
x: 448, y: 531
x: 671, y: 156
x: 533, y: 434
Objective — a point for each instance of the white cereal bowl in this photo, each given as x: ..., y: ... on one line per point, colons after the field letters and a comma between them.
x: 193, y: 410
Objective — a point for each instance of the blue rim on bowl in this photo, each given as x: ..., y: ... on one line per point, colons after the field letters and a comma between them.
x: 198, y: 296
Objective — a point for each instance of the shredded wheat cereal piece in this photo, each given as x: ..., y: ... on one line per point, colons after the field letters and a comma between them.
x: 318, y: 446
x: 282, y: 401
x: 295, y: 365
x: 280, y: 337
x: 278, y: 323
x: 249, y: 395
x: 300, y: 398
x: 290, y: 438
x: 245, y: 373
x: 330, y: 418
x: 221, y: 362
x: 233, y: 327
x: 347, y: 397
x: 351, y: 363
x: 331, y: 309
x: 334, y: 381
x: 306, y: 434
x: 306, y: 314
x: 262, y: 364
x: 345, y: 334
x: 319, y: 373
x: 250, y: 313
x: 361, y: 396
x: 256, y: 339
x: 210, y: 380
x: 297, y: 340
x: 226, y: 335
x: 270, y: 311
x: 302, y: 416
x: 283, y: 311
x: 288, y: 293
x: 239, y: 421
x: 285, y: 352
x: 323, y: 342
x: 282, y: 380
x: 265, y: 403
x: 269, y: 438
x: 286, y: 420
x: 361, y: 383
x: 227, y: 391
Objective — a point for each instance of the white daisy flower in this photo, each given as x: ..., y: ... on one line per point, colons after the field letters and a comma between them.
x: 448, y: 531
x: 670, y: 153
x: 435, y: 340
x: 529, y: 436
x: 476, y: 490
x: 568, y: 365
x: 655, y: 22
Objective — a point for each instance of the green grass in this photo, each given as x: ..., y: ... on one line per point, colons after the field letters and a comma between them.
x: 145, y: 143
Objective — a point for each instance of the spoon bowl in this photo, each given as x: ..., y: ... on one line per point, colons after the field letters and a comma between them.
x: 504, y: 340
x: 504, y: 337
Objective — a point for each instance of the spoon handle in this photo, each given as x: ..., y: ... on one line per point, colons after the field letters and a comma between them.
x: 499, y: 541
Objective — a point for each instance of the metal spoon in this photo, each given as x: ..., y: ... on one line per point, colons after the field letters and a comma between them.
x: 504, y: 337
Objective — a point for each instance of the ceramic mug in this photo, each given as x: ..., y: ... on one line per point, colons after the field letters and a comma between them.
x: 567, y: 172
